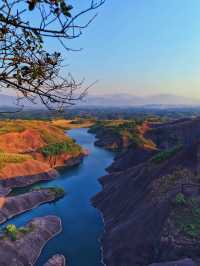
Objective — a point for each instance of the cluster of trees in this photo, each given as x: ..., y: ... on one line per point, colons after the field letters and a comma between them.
x: 52, y: 151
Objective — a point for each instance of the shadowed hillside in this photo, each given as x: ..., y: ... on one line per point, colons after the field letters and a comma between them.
x: 151, y: 202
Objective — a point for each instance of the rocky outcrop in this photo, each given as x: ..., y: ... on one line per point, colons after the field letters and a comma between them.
x: 184, y: 131
x: 110, y: 140
x: 19, y: 204
x: 57, y: 260
x: 75, y: 160
x: 130, y: 158
x: 28, y: 246
x: 24, y: 181
x: 4, y: 191
x: 139, y: 205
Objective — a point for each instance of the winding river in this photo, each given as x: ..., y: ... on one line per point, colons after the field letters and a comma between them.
x: 82, y: 223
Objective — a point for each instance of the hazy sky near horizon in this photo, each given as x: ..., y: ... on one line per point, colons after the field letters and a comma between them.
x: 141, y: 47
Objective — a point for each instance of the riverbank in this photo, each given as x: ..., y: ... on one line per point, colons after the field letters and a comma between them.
x: 12, y: 206
x: 82, y: 223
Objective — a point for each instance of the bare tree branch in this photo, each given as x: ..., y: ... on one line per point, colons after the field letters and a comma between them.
x: 25, y: 65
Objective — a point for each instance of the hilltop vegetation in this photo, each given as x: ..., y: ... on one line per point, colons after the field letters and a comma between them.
x: 75, y: 123
x: 6, y: 158
x: 120, y: 134
x: 28, y: 147
x: 103, y: 113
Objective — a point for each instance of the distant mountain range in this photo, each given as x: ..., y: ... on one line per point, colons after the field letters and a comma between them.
x: 130, y: 100
x: 11, y: 102
x: 6, y: 100
x: 115, y: 100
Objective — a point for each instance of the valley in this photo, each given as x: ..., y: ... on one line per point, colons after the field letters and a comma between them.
x: 28, y: 200
x: 141, y: 175
x: 99, y: 133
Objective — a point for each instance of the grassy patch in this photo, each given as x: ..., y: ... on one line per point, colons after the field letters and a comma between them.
x: 8, y: 126
x: 6, y: 158
x: 165, y: 155
x: 48, y: 136
x: 49, y: 132
x: 76, y: 123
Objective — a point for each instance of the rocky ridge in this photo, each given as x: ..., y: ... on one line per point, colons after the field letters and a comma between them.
x: 15, y: 205
x: 150, y: 205
x: 24, y: 181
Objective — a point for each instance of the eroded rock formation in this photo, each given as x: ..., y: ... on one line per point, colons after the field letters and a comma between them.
x: 25, y: 250
x: 15, y: 205
x: 150, y: 204
x: 56, y: 260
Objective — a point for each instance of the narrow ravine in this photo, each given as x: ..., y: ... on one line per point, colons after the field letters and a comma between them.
x: 82, y: 223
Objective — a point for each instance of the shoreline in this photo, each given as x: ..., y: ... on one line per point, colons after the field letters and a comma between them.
x: 55, y: 234
x: 46, y: 195
x: 26, y: 181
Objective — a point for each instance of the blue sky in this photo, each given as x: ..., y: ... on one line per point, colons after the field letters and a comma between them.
x: 142, y: 47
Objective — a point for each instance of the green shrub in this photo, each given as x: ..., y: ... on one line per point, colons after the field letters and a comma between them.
x: 11, y: 231
x: 180, y: 199
x: 192, y: 229
x: 167, y: 154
